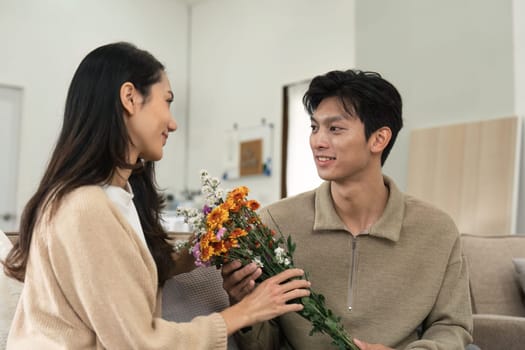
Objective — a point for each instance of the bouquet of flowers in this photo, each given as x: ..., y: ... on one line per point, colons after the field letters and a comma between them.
x: 228, y: 229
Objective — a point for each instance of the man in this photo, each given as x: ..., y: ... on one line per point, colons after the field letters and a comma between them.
x: 388, y: 264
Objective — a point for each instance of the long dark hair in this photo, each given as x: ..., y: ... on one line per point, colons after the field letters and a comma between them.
x: 93, y: 143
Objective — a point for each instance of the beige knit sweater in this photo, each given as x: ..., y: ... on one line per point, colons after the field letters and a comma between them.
x: 91, y: 284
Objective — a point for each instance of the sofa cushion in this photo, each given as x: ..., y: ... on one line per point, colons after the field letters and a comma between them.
x: 493, y: 285
x: 193, y: 294
x: 519, y: 264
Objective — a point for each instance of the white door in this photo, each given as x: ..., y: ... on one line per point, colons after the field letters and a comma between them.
x: 10, y: 115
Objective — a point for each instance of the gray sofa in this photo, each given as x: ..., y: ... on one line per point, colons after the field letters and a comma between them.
x: 498, y: 301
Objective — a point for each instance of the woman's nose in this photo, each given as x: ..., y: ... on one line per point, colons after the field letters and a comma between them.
x: 172, y: 125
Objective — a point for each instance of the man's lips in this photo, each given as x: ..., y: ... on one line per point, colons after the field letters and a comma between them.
x: 324, y: 158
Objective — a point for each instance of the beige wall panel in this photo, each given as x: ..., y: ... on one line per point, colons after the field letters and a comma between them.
x: 468, y: 170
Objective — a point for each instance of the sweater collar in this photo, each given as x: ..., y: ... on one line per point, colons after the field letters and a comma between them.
x: 388, y: 226
x: 123, y: 196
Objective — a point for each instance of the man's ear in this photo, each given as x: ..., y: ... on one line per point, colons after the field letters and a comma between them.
x: 380, y: 139
x: 127, y: 95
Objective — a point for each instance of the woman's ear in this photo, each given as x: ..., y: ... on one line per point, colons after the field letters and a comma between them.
x: 127, y: 95
x: 380, y: 139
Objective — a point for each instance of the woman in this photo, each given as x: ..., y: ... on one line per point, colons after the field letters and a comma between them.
x: 92, y: 252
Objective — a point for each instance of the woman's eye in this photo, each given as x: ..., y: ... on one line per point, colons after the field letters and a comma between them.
x: 313, y: 127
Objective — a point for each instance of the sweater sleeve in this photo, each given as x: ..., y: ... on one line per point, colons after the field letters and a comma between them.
x: 449, y: 324
x: 110, y: 281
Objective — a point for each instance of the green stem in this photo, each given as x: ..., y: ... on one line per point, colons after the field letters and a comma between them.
x: 324, y: 321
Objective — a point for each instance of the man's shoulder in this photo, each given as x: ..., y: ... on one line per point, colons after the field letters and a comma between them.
x: 293, y: 203
x: 418, y: 210
x: 290, y: 208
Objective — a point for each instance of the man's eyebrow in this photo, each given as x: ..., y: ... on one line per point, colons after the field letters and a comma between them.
x: 329, y: 119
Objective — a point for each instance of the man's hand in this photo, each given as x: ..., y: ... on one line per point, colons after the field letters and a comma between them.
x: 366, y: 346
x: 184, y: 262
x: 239, y: 281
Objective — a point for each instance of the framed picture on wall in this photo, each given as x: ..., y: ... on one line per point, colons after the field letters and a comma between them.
x: 251, y: 162
x: 248, y: 151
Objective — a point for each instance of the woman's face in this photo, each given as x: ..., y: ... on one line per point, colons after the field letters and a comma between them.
x: 150, y: 121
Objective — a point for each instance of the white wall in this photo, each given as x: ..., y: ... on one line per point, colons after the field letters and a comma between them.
x: 242, y: 54
x: 42, y: 43
x: 451, y: 60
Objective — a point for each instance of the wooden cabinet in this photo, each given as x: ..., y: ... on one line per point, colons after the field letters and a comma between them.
x: 471, y: 171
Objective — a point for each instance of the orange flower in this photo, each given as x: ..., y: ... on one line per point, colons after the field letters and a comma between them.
x: 232, y: 243
x: 238, y: 232
x: 231, y: 205
x: 205, y: 241
x: 206, y: 253
x: 238, y: 194
x: 220, y: 247
x: 252, y: 204
x: 216, y: 218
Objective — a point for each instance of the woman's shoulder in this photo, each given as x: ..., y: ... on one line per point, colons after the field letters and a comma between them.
x: 85, y: 197
x: 85, y: 205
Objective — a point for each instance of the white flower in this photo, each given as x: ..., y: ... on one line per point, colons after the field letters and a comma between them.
x: 195, y: 221
x: 210, y: 201
x: 207, y: 190
x: 258, y: 262
x: 281, y: 256
x: 279, y: 251
x: 179, y: 245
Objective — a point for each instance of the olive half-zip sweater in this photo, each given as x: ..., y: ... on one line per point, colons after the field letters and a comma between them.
x: 404, y: 284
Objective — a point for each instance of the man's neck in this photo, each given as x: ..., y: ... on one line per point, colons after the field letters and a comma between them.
x: 360, y: 204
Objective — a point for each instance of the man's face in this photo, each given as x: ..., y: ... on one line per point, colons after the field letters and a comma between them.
x: 338, y: 143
